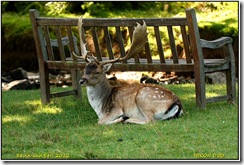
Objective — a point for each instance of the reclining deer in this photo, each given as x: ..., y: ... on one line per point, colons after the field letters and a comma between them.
x: 128, y: 103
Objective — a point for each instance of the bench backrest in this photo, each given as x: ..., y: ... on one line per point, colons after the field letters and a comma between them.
x: 63, y: 34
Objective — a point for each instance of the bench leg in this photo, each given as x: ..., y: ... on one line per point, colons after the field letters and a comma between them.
x: 230, y: 85
x: 230, y: 77
x: 75, y: 82
x: 200, y: 88
x: 44, y: 84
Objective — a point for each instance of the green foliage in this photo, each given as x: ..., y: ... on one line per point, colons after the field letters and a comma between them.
x: 101, y: 9
x: 96, y: 9
x: 22, y: 7
x: 55, y: 8
x: 67, y: 129
x: 14, y: 36
x: 222, y: 22
x: 21, y: 24
x: 74, y: 7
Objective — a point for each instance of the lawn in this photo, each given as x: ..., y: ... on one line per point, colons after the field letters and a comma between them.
x: 67, y: 129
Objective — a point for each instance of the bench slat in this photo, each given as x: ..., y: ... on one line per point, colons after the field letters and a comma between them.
x: 186, y: 44
x: 48, y: 43
x: 60, y: 45
x: 112, y: 21
x: 96, y: 44
x: 62, y: 94
x: 217, y: 98
x: 172, y: 44
x: 120, y: 42
x: 108, y: 43
x: 126, y: 67
x: 72, y: 45
x: 148, y: 52
x: 159, y: 44
x: 168, y: 66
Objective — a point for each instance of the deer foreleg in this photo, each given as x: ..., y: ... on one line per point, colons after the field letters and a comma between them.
x: 137, y: 121
x: 115, y: 116
x: 108, y: 121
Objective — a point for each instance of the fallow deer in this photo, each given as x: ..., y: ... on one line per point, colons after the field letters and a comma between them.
x: 126, y: 103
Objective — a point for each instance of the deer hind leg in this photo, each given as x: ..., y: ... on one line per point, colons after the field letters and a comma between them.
x: 173, y: 112
x: 140, y: 117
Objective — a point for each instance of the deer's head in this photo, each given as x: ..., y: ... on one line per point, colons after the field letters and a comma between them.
x: 94, y: 73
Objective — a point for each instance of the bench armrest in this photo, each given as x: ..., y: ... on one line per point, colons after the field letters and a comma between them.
x: 214, y: 44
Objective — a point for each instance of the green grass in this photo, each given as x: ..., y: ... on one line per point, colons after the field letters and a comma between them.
x: 67, y: 129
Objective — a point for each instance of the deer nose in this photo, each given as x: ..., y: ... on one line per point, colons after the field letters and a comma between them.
x: 83, y: 80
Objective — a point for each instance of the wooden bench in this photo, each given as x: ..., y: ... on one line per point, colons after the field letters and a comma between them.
x: 61, y: 33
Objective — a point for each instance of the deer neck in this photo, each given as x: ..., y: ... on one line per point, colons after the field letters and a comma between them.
x: 98, y: 95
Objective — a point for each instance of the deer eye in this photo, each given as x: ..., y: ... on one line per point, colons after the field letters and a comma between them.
x: 97, y: 72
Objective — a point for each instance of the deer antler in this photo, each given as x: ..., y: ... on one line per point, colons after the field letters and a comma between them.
x: 139, y: 40
x: 84, y: 52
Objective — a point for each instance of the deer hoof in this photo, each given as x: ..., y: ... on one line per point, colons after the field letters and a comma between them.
x: 125, y: 117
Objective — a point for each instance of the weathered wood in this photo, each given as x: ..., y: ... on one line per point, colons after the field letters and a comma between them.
x: 159, y: 44
x: 169, y: 65
x: 172, y: 44
x: 186, y: 44
x: 220, y: 42
x: 217, y: 62
x: 126, y: 66
x: 48, y: 43
x: 60, y: 44
x: 89, y: 22
x: 230, y: 75
x: 62, y: 94
x: 120, y: 42
x: 148, y: 52
x: 96, y: 44
x: 108, y: 42
x: 38, y: 36
x: 198, y: 58
x: 42, y: 57
x: 72, y: 43
x: 217, y: 98
x: 75, y: 74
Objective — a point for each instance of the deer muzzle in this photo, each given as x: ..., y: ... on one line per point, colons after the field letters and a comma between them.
x: 83, y: 81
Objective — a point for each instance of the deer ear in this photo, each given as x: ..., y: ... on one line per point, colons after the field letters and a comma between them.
x: 106, y: 67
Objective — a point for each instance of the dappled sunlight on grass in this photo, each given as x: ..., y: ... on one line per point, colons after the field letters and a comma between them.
x: 16, y: 118
x: 215, y: 90
x: 39, y: 108
x: 212, y: 94
x: 49, y: 110
x: 184, y: 91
